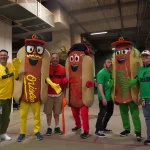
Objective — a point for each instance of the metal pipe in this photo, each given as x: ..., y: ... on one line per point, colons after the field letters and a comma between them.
x: 103, y: 14
x: 120, y: 12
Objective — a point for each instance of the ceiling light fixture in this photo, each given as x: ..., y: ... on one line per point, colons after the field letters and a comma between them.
x: 98, y: 33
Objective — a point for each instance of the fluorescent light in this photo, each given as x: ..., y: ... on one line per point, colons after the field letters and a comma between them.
x: 98, y: 33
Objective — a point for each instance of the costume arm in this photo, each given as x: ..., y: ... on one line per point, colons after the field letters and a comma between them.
x: 132, y: 82
x: 55, y: 86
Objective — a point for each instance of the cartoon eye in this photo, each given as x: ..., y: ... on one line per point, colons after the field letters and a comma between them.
x: 30, y: 49
x: 40, y: 50
x: 117, y: 53
x: 71, y: 58
x: 76, y: 58
x: 124, y: 51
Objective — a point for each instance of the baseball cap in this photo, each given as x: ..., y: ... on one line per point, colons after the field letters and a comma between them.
x: 146, y: 52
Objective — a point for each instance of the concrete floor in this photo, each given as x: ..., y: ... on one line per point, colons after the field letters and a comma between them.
x: 72, y: 140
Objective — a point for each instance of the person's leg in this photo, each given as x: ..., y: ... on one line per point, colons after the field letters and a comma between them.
x: 109, y: 113
x: 37, y: 121
x: 85, y: 118
x: 6, y: 115
x: 85, y: 121
x: 5, y: 119
x: 134, y: 109
x: 101, y: 114
x: 76, y: 115
x: 57, y: 112
x: 125, y: 119
x: 24, y: 109
x: 146, y: 112
x: 48, y: 108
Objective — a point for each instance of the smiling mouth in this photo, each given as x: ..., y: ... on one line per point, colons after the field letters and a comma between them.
x: 33, y: 61
x: 121, y: 60
x: 74, y: 67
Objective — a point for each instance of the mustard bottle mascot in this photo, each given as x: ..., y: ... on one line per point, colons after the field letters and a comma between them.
x: 126, y: 62
x: 80, y: 90
x: 31, y: 88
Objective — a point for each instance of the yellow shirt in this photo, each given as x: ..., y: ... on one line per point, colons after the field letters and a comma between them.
x: 6, y: 81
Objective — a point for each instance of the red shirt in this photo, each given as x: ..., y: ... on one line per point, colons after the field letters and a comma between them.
x: 57, y: 73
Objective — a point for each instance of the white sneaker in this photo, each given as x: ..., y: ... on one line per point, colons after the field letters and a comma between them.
x: 5, y: 137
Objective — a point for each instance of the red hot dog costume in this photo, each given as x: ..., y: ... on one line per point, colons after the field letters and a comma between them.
x: 80, y: 91
x: 31, y: 88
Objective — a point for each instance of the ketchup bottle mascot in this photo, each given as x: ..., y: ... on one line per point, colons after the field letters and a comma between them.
x: 31, y: 88
x: 80, y: 90
x: 126, y: 63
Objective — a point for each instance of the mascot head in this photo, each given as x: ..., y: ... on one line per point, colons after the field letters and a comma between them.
x: 123, y: 50
x: 76, y: 54
x: 34, y: 46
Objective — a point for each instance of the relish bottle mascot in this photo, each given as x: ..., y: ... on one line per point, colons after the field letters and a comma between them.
x: 80, y: 90
x: 31, y: 87
x: 126, y: 63
x: 8, y: 72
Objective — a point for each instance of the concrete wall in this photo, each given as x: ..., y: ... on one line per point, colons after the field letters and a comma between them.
x: 6, y: 38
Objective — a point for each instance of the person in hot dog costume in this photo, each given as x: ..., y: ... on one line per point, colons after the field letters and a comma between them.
x: 31, y: 87
x: 126, y: 63
x: 80, y: 90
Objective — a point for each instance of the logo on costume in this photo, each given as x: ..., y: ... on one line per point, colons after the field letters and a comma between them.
x: 31, y: 87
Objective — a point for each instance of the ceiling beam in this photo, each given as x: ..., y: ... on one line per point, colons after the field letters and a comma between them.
x: 96, y: 8
x: 120, y: 12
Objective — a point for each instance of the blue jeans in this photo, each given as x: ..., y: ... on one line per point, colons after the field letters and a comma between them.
x: 146, y: 111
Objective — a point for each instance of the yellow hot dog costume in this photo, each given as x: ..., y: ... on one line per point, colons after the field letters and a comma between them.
x: 31, y: 88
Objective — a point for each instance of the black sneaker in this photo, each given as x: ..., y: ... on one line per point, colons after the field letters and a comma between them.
x: 100, y: 134
x: 125, y: 133
x: 138, y: 137
x: 38, y: 136
x: 58, y: 131
x: 21, y: 137
x: 84, y: 135
x: 147, y: 142
x: 76, y: 129
x: 107, y: 130
x: 49, y: 132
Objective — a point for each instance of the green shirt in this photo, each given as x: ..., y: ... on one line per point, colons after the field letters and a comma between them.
x: 144, y: 80
x: 103, y: 77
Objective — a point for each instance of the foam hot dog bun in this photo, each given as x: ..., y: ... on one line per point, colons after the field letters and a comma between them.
x: 87, y: 74
x: 18, y: 84
x: 67, y: 75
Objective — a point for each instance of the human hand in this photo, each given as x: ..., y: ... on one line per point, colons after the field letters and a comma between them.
x: 104, y: 101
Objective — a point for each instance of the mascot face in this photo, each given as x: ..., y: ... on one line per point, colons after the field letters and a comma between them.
x: 34, y: 49
x: 34, y: 53
x: 75, y: 59
x: 122, y: 53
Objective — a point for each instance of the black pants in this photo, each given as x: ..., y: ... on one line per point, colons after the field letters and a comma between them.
x: 104, y: 115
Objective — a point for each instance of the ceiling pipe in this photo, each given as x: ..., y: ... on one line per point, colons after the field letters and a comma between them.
x: 103, y: 14
x: 69, y: 14
x: 141, y: 16
x: 120, y: 12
